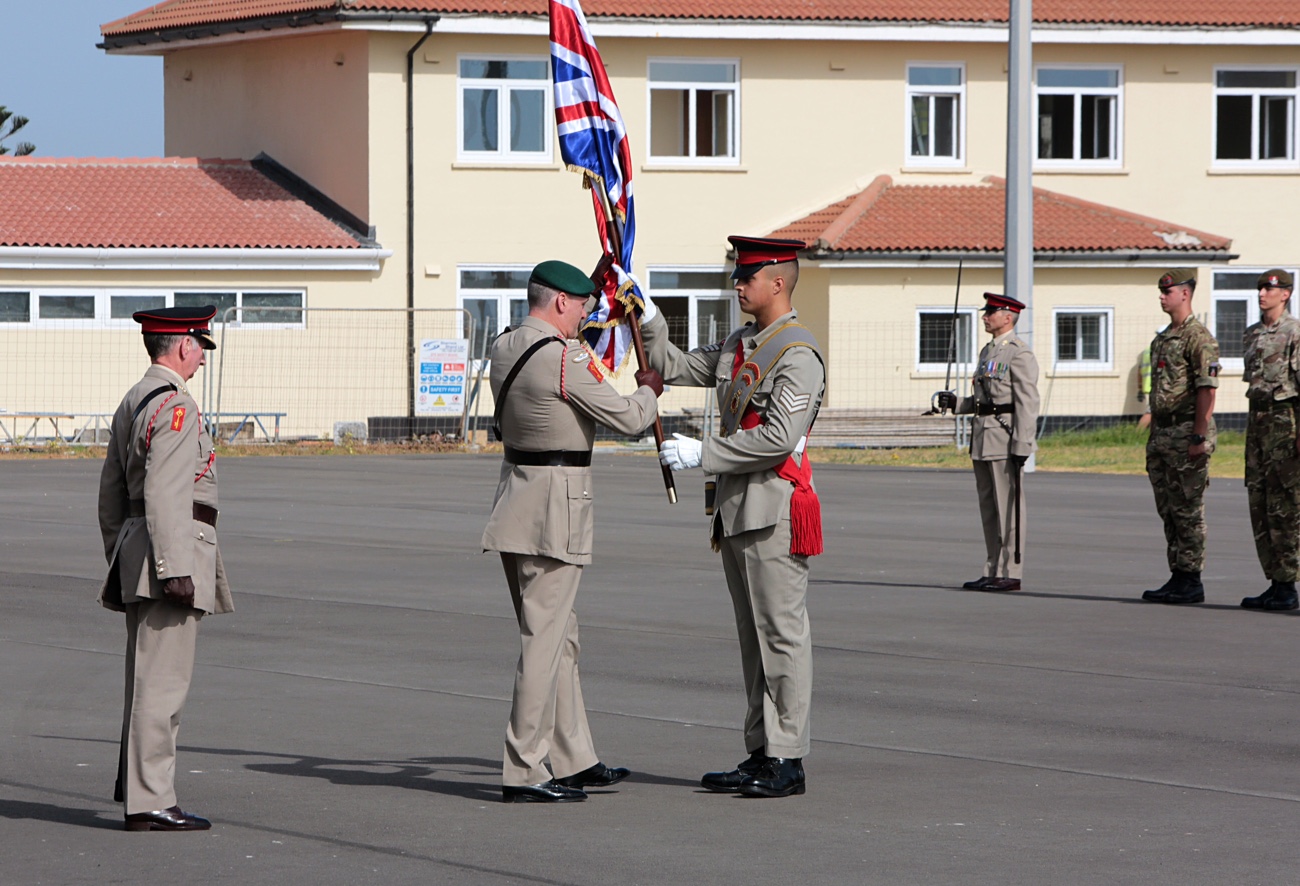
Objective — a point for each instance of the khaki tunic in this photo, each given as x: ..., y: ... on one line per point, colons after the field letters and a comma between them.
x: 1007, y: 374
x: 160, y: 458
x: 768, y: 584
x: 542, y: 524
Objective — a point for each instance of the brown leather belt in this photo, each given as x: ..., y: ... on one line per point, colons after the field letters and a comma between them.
x: 202, y: 513
x: 551, y: 458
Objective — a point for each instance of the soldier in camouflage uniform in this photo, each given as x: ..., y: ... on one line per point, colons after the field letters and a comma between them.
x: 1272, y: 369
x: 1184, y: 378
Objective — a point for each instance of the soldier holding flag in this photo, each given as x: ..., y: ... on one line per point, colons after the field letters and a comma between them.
x: 770, y: 381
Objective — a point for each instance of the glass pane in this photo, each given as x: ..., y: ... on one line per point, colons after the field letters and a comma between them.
x: 484, y: 312
x: 500, y: 279
x: 1232, y: 141
x: 722, y: 125
x: 936, y: 343
x: 15, y: 307
x: 480, y: 110
x: 1056, y: 127
x: 713, y: 320
x: 669, y: 122
x: 1067, y: 337
x: 965, y: 338
x: 1090, y: 337
x: 67, y: 307
x: 920, y: 126
x: 219, y: 300
x: 1243, y: 280
x: 676, y: 310
x: 1084, y: 79
x: 937, y: 76
x: 1275, y: 129
x: 121, y: 307
x: 706, y: 280
x: 1230, y: 326
x: 1256, y: 79
x: 1095, y: 139
x: 518, y: 310
x: 692, y: 72
x: 280, y: 301
x: 527, y: 120
x: 945, y: 126
x: 500, y: 69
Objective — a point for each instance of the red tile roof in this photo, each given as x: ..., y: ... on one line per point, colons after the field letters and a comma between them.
x: 1214, y: 13
x: 886, y: 218
x: 155, y: 203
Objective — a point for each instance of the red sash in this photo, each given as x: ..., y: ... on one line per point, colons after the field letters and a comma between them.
x: 805, y: 507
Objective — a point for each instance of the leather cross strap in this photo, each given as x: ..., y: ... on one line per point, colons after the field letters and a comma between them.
x: 510, y: 379
x: 748, y: 375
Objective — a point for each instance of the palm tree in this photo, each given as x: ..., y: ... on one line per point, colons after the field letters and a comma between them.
x: 14, y: 123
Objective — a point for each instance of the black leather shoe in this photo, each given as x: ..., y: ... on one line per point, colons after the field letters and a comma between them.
x: 1190, y: 590
x: 729, y: 782
x: 598, y: 776
x: 1157, y: 595
x: 173, y: 819
x: 779, y: 777
x: 978, y: 584
x: 546, y: 792
x: 1002, y: 584
x: 1280, y: 597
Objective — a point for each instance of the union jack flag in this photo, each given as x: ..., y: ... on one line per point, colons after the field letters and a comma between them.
x: 593, y: 141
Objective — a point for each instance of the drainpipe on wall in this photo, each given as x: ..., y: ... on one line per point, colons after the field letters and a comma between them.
x: 410, y: 222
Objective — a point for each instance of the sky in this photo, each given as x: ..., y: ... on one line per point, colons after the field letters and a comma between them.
x: 81, y: 101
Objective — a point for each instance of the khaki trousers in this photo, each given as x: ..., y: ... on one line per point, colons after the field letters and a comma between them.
x: 769, y: 586
x: 994, y: 481
x: 547, y: 717
x: 160, y: 642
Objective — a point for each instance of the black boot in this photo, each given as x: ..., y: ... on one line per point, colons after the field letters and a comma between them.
x: 1280, y: 597
x: 1189, y: 591
x: 1158, y: 595
x: 779, y: 777
x: 729, y: 782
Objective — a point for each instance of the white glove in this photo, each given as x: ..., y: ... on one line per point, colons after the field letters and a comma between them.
x: 680, y: 453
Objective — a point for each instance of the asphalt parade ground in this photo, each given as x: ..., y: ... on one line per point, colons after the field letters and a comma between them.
x: 345, y: 723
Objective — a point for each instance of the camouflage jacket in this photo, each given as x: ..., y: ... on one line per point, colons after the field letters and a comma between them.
x: 1272, y: 360
x: 1183, y: 359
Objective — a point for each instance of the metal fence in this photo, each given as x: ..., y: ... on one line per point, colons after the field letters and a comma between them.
x: 323, y: 369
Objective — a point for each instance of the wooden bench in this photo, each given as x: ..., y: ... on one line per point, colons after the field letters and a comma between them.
x: 12, y: 422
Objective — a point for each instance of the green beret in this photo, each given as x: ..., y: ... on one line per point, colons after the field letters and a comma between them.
x: 1177, y: 277
x: 562, y: 276
x: 1276, y: 277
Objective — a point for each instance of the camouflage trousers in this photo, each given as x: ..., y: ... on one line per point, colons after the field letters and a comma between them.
x: 1273, y: 488
x: 1179, y: 483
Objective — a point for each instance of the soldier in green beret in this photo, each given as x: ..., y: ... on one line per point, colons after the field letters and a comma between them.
x: 1272, y: 369
x: 1184, y: 378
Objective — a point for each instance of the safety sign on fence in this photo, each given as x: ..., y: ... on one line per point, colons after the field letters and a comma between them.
x: 440, y: 376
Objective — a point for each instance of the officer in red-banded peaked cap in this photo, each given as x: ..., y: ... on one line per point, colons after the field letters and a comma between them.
x: 1005, y: 408
x: 158, y: 519
x: 770, y: 382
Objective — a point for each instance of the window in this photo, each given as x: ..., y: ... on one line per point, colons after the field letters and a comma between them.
x: 1083, y: 338
x: 121, y: 307
x: 66, y: 307
x: 936, y: 110
x: 505, y: 104
x: 490, y: 294
x: 934, y: 341
x: 1078, y: 116
x: 1235, y: 306
x: 15, y: 307
x: 251, y: 308
x: 697, y: 303
x: 1254, y: 117
x: 693, y: 110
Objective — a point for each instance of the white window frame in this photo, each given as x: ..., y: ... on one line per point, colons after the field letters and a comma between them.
x: 103, y: 306
x: 502, y: 296
x: 694, y: 296
x: 689, y: 158
x: 1255, y: 164
x: 503, y: 155
x: 1117, y: 124
x: 966, y: 366
x: 1107, y: 363
x: 1249, y: 296
x: 929, y: 161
